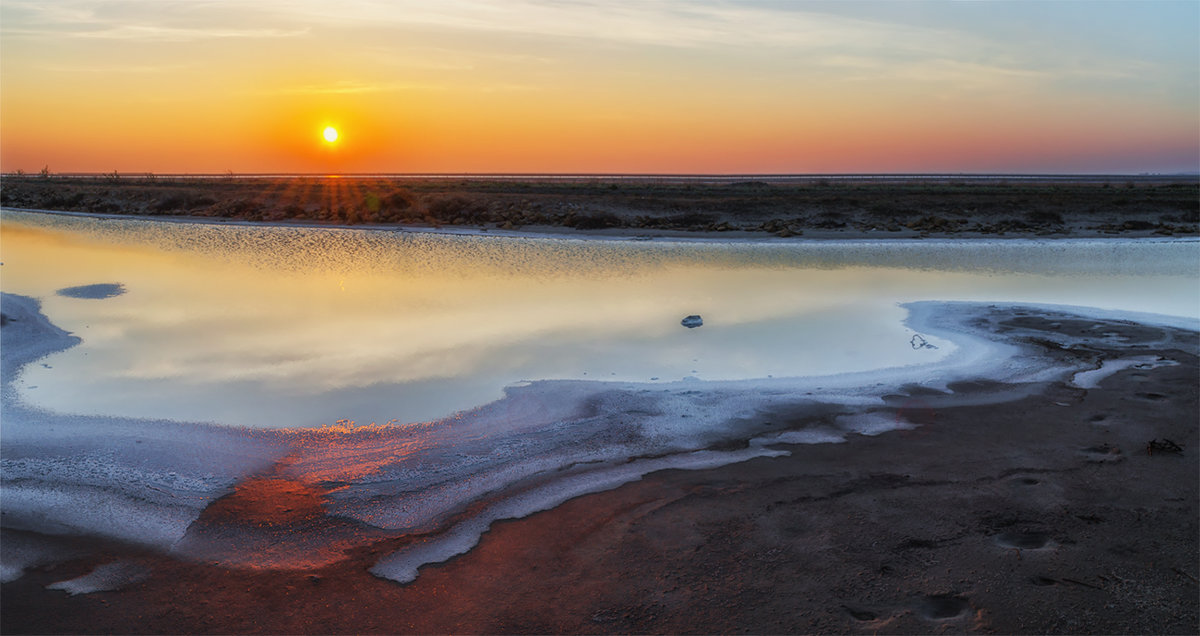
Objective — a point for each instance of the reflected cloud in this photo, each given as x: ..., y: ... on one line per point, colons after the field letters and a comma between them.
x: 303, y: 326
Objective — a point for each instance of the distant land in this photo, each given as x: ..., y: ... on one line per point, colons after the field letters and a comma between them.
x: 642, y: 205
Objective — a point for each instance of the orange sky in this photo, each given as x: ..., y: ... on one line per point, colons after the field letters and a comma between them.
x: 670, y: 87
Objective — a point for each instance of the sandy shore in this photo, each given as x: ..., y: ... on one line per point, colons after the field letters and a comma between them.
x: 1045, y: 513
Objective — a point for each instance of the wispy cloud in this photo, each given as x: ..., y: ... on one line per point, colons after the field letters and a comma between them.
x: 164, y: 21
x: 666, y: 23
x: 349, y: 87
x: 109, y: 69
x: 352, y: 87
x: 495, y: 33
x: 958, y: 73
x: 179, y: 34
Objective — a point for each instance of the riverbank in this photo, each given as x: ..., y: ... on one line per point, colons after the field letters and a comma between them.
x: 825, y: 208
x: 989, y: 495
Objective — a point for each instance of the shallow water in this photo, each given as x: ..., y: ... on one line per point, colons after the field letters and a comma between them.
x: 516, y: 373
x: 289, y: 327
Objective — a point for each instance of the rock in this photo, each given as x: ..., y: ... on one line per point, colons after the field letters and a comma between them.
x: 692, y: 321
x: 94, y: 292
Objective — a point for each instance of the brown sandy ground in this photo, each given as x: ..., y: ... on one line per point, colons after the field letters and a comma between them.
x: 1042, y: 515
x: 833, y: 207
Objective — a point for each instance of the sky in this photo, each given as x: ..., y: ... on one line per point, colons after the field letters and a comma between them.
x: 599, y: 86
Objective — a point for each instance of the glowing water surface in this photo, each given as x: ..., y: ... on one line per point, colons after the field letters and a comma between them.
x: 289, y: 327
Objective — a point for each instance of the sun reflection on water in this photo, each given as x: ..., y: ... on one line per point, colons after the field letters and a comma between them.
x: 301, y: 327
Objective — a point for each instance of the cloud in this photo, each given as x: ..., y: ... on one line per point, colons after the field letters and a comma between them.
x: 349, y: 87
x: 132, y: 20
x: 785, y: 35
x: 670, y: 23
x: 353, y: 87
x: 108, y: 69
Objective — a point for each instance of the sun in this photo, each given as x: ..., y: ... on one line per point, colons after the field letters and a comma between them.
x: 330, y: 134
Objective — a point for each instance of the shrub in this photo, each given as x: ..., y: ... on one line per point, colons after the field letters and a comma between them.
x: 594, y: 221
x: 1044, y: 217
x: 398, y: 200
x: 690, y: 219
x: 169, y: 203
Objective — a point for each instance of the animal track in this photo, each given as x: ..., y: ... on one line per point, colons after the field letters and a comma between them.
x: 859, y: 614
x: 940, y: 607
x: 1102, y: 454
x: 1023, y: 540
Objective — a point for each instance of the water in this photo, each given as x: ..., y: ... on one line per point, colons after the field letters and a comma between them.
x: 302, y: 327
x: 507, y: 373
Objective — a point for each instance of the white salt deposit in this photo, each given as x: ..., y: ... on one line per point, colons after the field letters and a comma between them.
x: 104, y: 578
x: 1091, y: 378
x: 141, y: 481
x: 402, y: 565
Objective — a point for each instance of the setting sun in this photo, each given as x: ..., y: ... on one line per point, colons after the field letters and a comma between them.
x: 330, y: 134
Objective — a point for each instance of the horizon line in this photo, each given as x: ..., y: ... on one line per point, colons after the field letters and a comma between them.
x: 607, y: 175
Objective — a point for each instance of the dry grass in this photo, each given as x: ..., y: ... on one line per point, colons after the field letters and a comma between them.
x: 934, y: 207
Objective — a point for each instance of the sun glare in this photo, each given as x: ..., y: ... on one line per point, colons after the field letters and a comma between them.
x: 330, y: 134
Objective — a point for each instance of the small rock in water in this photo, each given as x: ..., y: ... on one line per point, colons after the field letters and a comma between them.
x: 692, y: 321
x: 919, y: 342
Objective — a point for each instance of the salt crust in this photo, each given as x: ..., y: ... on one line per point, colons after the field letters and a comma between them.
x: 104, y: 578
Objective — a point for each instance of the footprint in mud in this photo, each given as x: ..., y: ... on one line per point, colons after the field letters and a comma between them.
x: 1043, y: 581
x: 1102, y: 454
x: 940, y: 607
x: 859, y: 614
x: 1023, y: 540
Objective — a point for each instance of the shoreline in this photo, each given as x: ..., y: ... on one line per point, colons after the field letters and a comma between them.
x: 567, y: 234
x: 1025, y: 502
x: 745, y: 209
